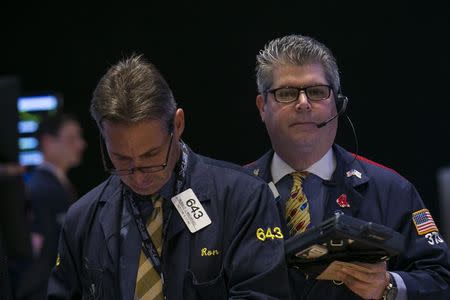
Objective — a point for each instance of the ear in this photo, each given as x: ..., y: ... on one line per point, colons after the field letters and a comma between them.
x: 178, y: 123
x: 261, y: 103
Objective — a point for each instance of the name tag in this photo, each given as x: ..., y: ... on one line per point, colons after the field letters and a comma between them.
x: 191, y: 210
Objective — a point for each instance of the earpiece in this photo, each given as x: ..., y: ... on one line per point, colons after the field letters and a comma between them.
x: 341, y: 103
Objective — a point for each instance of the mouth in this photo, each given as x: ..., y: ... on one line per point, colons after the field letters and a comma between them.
x: 142, y: 190
x: 302, y: 124
x: 143, y: 187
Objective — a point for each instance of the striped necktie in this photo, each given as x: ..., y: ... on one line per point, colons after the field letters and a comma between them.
x: 148, y: 281
x: 298, y: 217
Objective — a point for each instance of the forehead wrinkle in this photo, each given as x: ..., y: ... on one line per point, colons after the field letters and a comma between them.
x: 133, y: 140
x: 135, y: 151
x: 299, y: 76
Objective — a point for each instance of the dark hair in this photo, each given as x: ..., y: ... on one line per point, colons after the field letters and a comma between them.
x: 51, y: 124
x: 295, y: 50
x: 132, y: 91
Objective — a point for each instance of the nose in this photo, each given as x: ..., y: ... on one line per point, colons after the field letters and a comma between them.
x: 302, y: 102
x: 139, y: 177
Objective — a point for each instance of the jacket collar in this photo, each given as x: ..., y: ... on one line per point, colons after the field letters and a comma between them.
x: 261, y: 167
x: 349, y: 169
x: 349, y: 176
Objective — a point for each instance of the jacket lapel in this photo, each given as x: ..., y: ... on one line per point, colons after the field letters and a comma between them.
x: 110, y: 219
x: 349, y: 176
x: 261, y: 167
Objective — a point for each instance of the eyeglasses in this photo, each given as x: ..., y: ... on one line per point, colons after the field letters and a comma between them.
x: 145, y: 169
x: 291, y: 94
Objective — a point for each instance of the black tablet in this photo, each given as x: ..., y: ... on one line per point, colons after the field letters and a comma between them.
x: 342, y: 238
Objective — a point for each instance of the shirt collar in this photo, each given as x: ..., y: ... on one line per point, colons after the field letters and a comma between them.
x: 323, y: 168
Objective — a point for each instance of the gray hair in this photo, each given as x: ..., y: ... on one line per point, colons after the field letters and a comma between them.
x: 294, y: 50
x: 131, y: 91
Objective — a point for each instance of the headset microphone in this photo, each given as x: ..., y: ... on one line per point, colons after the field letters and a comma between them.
x: 341, y: 105
x: 344, y: 101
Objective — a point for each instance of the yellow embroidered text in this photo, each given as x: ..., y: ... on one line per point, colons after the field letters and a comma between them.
x: 206, y: 252
x: 263, y: 235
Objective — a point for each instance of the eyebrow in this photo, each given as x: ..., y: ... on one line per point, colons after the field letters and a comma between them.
x: 302, y: 85
x: 150, y: 152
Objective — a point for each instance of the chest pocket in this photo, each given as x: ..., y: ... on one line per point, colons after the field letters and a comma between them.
x: 214, y: 289
x: 92, y: 281
x: 204, y: 277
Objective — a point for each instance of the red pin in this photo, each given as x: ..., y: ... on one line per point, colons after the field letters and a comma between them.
x: 342, y: 201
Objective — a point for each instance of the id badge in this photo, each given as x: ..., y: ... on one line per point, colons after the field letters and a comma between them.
x: 191, y: 210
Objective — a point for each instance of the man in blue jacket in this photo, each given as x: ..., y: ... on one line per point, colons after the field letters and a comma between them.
x: 299, y: 101
x: 167, y: 223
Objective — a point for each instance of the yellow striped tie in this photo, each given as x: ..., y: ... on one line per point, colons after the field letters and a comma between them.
x: 148, y: 281
x: 297, y: 207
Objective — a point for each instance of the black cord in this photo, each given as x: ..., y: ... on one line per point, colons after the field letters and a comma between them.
x: 356, y: 138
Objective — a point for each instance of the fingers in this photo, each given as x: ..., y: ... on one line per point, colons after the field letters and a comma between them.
x: 364, y: 276
x: 376, y: 267
x: 368, y: 282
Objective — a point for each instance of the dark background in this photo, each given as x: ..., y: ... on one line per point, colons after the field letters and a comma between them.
x: 394, y: 59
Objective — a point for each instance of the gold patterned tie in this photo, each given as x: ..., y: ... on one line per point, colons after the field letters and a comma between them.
x: 148, y: 281
x: 297, y: 207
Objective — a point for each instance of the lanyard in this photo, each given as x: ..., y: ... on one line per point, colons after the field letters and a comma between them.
x: 147, y: 245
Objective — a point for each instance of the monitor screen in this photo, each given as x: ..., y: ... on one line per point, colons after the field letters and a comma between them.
x: 32, y: 109
x: 14, y: 231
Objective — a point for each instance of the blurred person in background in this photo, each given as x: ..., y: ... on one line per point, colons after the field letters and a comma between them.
x: 50, y: 194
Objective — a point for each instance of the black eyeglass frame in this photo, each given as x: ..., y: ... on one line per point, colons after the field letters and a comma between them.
x: 144, y: 169
x: 299, y: 90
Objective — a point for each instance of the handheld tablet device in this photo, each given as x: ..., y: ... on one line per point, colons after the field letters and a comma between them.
x: 342, y: 238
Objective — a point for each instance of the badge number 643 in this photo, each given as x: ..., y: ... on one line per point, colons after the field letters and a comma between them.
x: 195, y: 210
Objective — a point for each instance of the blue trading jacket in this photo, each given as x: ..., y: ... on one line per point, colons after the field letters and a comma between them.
x: 224, y: 260
x: 381, y: 196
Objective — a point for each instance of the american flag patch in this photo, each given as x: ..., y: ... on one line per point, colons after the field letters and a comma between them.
x: 423, y: 221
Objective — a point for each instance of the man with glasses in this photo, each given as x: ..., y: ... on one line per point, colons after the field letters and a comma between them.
x: 167, y: 223
x: 299, y: 101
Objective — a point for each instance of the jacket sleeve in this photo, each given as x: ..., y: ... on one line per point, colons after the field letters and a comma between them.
x: 425, y: 264
x: 64, y: 281
x: 255, y: 263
